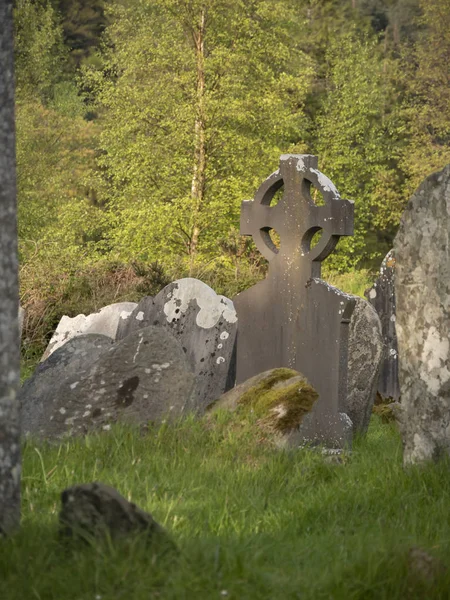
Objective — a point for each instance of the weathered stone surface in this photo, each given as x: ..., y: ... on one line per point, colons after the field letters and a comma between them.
x: 9, y: 296
x: 279, y: 398
x: 293, y: 318
x: 37, y: 395
x: 21, y: 318
x: 144, y: 377
x: 382, y: 298
x: 204, y: 323
x: 422, y: 287
x: 97, y: 510
x: 105, y: 322
x: 365, y: 351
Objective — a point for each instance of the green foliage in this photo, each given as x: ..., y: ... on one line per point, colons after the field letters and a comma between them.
x: 39, y: 49
x: 427, y: 97
x: 357, y: 141
x: 141, y: 126
x: 251, y: 110
x: 250, y: 521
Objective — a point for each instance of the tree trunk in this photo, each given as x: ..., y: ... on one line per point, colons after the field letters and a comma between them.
x: 9, y: 295
x: 199, y: 168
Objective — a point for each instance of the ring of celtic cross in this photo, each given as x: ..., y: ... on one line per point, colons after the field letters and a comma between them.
x: 296, y: 217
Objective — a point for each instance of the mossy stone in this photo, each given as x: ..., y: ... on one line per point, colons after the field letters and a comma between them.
x: 279, y: 399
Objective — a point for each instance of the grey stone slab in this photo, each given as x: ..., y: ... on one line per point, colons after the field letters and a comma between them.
x: 422, y: 287
x: 105, y: 322
x: 37, y: 395
x: 144, y: 377
x: 365, y: 351
x: 382, y: 298
x: 9, y: 295
x: 204, y: 323
x: 293, y: 318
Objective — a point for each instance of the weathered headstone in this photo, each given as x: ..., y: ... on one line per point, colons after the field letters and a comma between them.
x: 204, y: 323
x: 365, y: 351
x: 422, y: 288
x: 144, y: 377
x: 105, y: 322
x: 37, y: 394
x: 293, y: 318
x: 9, y: 295
x: 382, y: 297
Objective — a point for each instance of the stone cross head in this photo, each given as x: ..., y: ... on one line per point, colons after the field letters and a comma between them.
x: 296, y: 217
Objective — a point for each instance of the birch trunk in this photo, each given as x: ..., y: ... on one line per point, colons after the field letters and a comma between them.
x: 199, y: 167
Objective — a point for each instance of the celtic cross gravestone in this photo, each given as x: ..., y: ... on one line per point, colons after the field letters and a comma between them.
x: 293, y: 318
x: 9, y: 297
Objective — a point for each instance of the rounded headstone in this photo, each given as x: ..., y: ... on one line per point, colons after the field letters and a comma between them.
x: 204, y: 323
x: 144, y: 377
x: 37, y: 394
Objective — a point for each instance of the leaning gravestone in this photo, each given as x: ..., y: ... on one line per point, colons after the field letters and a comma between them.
x: 422, y: 287
x: 204, y: 323
x: 105, y: 322
x: 144, y: 377
x: 9, y: 295
x: 382, y: 298
x: 77, y: 355
x: 293, y: 318
x: 365, y: 351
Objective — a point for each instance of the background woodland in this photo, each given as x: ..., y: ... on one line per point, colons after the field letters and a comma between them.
x: 143, y: 124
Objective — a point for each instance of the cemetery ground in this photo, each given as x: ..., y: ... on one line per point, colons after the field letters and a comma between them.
x: 249, y: 520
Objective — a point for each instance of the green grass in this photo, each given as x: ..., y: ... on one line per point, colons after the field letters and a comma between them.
x: 354, y: 283
x: 250, y: 521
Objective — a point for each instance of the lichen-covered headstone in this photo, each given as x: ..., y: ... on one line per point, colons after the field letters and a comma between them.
x: 422, y: 287
x: 105, y: 322
x: 144, y: 377
x: 382, y: 297
x: 365, y: 351
x: 293, y: 318
x: 37, y: 394
x: 204, y: 323
x: 9, y: 296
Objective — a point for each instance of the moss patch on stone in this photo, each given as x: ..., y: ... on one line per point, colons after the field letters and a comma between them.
x: 283, y: 408
x: 385, y: 411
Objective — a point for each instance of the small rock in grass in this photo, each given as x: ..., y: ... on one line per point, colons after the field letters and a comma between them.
x: 424, y: 568
x: 98, y: 510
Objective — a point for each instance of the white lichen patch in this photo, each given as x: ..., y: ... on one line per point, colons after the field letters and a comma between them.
x: 140, y: 316
x: 212, y: 307
x: 220, y: 360
x: 224, y: 335
x: 326, y: 184
x: 62, y: 410
x: 161, y: 367
x: 74, y: 385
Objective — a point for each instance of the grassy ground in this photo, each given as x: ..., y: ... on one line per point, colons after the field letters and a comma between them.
x: 250, y: 521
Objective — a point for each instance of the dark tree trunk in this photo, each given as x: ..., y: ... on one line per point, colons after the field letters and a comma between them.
x: 9, y: 296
